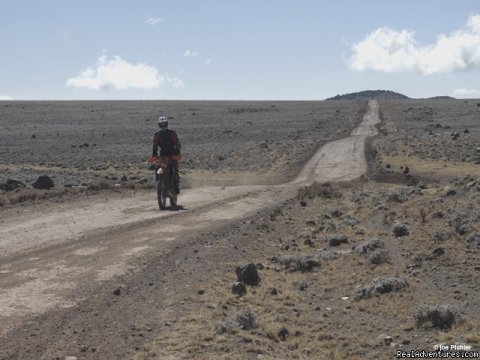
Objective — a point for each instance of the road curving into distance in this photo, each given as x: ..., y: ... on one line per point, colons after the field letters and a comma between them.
x: 48, y: 254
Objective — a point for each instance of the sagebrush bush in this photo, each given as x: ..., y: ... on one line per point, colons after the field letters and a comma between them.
x: 440, y: 317
x: 246, y: 319
x: 381, y: 286
x: 324, y: 191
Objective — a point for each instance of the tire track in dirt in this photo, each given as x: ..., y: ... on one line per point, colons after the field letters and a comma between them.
x: 47, y: 258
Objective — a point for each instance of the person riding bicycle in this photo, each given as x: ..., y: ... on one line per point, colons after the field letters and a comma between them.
x: 167, y: 140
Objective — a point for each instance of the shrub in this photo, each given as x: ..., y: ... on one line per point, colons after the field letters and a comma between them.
x: 246, y: 320
x: 439, y: 317
x: 379, y: 257
x: 299, y: 262
x: 369, y: 245
x: 324, y: 191
x: 380, y: 286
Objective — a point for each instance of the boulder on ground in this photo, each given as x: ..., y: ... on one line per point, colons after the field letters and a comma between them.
x: 239, y: 288
x: 43, y: 182
x: 248, y: 274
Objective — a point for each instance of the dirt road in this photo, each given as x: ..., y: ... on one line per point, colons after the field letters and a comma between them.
x: 48, y: 255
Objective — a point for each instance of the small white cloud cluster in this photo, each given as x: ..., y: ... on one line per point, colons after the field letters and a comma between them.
x: 387, y: 50
x: 190, y: 53
x: 466, y: 94
x: 154, y: 21
x: 5, y: 98
x: 118, y: 74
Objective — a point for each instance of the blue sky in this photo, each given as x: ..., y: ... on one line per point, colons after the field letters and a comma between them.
x: 264, y: 50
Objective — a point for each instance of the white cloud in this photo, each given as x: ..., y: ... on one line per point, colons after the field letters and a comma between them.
x: 388, y: 50
x: 208, y: 61
x: 174, y: 81
x: 118, y: 74
x: 190, y: 53
x: 154, y: 21
x: 5, y: 98
x: 466, y: 94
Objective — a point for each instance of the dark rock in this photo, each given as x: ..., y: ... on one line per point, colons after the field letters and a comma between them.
x: 124, y: 178
x: 303, y: 203
x: 338, y: 240
x: 466, y: 131
x: 282, y: 334
x: 201, y: 292
x: 451, y: 192
x: 406, y: 170
x: 248, y: 274
x: 399, y: 229
x: 273, y: 291
x: 11, y: 185
x: 388, y: 166
x: 117, y: 291
x: 239, y: 288
x: 43, y: 182
x: 34, y: 136
x: 438, y: 252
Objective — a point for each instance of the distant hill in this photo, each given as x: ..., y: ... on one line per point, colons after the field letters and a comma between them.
x: 441, y: 98
x: 370, y: 94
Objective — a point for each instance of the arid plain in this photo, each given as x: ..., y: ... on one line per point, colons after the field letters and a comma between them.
x: 350, y: 270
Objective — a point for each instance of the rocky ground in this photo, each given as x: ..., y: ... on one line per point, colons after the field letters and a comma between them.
x: 345, y: 271
x: 80, y: 143
x: 433, y: 138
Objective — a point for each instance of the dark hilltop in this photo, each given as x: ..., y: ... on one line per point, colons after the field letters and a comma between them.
x: 371, y: 94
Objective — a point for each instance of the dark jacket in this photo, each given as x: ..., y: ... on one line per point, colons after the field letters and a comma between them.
x: 167, y: 141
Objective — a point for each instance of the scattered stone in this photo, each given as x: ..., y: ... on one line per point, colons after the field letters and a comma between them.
x: 201, y: 292
x: 400, y: 229
x: 248, y: 274
x: 303, y: 203
x: 274, y: 291
x: 43, y: 182
x: 337, y: 240
x: 124, y: 178
x: 239, y: 288
x: 388, y: 166
x: 438, y: 252
x: 451, y: 192
x: 466, y: 131
x: 308, y: 242
x: 387, y: 340
x: 406, y: 170
x: 336, y: 213
x: 282, y: 334
x: 117, y: 291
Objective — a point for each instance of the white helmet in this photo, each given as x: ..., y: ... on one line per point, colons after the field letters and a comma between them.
x: 162, y: 122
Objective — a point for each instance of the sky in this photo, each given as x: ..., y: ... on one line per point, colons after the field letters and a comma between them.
x: 238, y: 50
